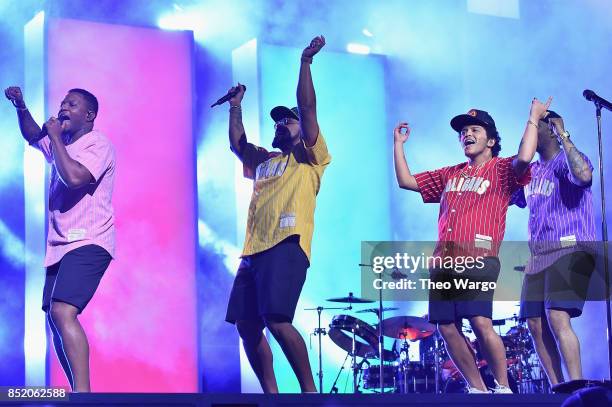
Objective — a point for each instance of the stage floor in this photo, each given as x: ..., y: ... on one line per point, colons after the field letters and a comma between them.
x: 312, y: 400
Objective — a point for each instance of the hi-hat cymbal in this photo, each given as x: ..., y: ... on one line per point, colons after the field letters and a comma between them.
x: 408, y: 327
x: 375, y: 310
x: 351, y: 299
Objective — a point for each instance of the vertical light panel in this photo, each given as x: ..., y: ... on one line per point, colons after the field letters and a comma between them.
x: 353, y: 203
x: 34, y: 343
x: 141, y: 323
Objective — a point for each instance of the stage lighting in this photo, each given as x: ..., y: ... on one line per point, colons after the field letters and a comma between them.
x: 179, y: 21
x: 356, y: 48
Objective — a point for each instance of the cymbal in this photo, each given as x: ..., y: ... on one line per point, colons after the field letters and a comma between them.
x: 375, y: 310
x: 407, y: 327
x: 351, y: 299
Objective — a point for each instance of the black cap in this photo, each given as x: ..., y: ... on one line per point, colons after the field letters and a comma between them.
x: 474, y: 116
x: 281, y: 112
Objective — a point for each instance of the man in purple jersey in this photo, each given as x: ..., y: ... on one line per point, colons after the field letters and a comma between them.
x: 560, y: 222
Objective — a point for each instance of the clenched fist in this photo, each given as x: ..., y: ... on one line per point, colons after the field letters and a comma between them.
x: 13, y: 93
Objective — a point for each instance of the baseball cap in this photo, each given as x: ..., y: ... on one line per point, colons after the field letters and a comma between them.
x: 473, y: 116
x: 281, y: 112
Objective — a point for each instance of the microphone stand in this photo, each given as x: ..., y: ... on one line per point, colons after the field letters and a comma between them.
x: 381, y: 338
x: 604, y: 235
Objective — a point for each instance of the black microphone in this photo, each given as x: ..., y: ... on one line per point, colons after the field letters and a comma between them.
x: 43, y: 132
x: 598, y: 100
x: 227, y: 96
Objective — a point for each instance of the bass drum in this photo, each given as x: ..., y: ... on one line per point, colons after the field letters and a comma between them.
x: 458, y: 385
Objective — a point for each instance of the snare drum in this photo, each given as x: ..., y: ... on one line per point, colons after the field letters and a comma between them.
x: 341, y: 330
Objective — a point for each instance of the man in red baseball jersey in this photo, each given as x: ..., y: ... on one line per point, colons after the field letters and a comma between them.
x: 474, y: 198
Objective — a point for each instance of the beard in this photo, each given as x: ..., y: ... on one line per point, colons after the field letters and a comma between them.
x: 282, y: 138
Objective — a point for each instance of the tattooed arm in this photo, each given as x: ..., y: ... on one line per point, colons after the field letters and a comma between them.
x: 237, y: 136
x: 580, y: 170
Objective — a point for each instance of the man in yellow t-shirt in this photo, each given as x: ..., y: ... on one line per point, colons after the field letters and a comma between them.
x: 279, y: 231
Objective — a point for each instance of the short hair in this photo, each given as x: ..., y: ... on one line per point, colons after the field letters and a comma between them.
x: 492, y: 133
x: 91, y: 100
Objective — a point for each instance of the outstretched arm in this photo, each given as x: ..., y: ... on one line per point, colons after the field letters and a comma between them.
x: 27, y: 125
x: 580, y: 170
x: 405, y: 179
x: 529, y: 142
x: 306, y: 98
x: 236, y: 129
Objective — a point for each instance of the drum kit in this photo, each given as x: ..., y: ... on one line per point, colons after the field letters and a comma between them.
x: 417, y: 362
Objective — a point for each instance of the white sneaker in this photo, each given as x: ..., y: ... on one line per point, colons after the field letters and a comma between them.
x: 500, y: 389
x: 474, y: 390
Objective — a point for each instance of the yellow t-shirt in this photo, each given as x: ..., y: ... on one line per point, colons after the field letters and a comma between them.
x: 284, y: 194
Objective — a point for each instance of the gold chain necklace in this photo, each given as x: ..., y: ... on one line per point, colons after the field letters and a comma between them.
x: 466, y: 175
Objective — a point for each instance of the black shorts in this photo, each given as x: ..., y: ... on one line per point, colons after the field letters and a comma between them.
x: 269, y: 283
x: 75, y: 278
x: 448, y: 306
x: 562, y: 286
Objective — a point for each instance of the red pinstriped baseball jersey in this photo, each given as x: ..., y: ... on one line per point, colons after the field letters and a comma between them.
x: 473, y: 202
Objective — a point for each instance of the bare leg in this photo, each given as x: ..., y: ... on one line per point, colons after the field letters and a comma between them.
x: 462, y: 355
x: 546, y: 348
x: 59, y: 351
x: 74, y: 342
x: 294, y: 348
x: 492, y: 348
x: 258, y: 352
x: 567, y: 341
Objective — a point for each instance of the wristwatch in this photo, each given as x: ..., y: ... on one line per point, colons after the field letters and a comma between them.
x: 565, y: 135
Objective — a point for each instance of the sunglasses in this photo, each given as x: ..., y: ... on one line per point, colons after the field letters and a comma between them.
x: 285, y: 121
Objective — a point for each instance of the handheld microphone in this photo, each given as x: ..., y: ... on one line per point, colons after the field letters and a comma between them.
x: 43, y: 132
x: 598, y: 100
x: 227, y: 96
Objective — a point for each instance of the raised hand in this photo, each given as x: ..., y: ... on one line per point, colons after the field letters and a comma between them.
x: 315, y: 46
x: 398, y: 135
x: 236, y: 100
x: 538, y: 109
x: 14, y: 94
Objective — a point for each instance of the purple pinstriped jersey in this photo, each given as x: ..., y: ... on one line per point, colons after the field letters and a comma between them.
x: 560, y: 212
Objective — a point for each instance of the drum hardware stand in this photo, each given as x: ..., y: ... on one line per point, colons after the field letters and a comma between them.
x: 356, y: 367
x: 319, y: 332
x: 437, y: 358
x: 334, y: 389
x: 396, y: 275
x: 381, y: 338
x: 403, y: 363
